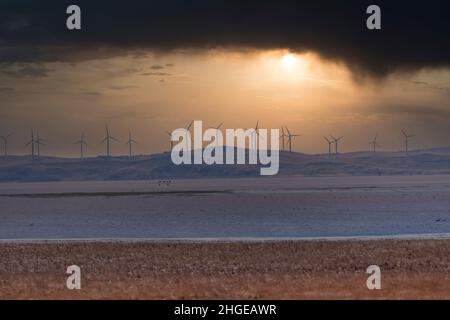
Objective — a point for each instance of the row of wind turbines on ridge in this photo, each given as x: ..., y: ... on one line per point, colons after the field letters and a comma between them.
x: 286, y: 141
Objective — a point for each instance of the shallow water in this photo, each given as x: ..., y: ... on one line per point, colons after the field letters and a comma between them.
x: 230, y: 208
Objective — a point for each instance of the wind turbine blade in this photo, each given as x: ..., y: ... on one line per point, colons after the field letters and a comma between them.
x: 289, y: 133
x: 326, y: 139
x: 104, y: 140
x: 112, y: 138
x: 257, y: 124
x: 190, y: 124
x: 218, y: 127
x: 404, y: 133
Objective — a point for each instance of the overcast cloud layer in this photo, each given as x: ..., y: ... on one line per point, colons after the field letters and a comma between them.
x: 414, y: 34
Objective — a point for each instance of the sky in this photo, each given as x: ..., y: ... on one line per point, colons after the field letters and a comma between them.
x: 151, y: 67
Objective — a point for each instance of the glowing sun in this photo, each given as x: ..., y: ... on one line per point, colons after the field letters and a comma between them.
x: 289, y: 61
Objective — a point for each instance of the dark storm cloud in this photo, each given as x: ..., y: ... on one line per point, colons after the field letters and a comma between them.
x: 430, y: 86
x: 6, y: 90
x: 414, y: 34
x: 27, y: 71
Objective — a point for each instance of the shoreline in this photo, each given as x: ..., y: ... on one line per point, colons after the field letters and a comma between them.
x: 420, y: 236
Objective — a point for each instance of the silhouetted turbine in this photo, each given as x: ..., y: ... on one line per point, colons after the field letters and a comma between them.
x: 407, y: 136
x: 130, y: 142
x: 82, y: 144
x: 108, y: 139
x: 31, y: 142
x: 375, y: 144
x: 290, y: 136
x: 336, y: 141
x: 329, y: 146
x: 5, y: 143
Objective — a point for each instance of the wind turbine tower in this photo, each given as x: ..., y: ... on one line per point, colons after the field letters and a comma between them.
x: 217, y: 131
x: 329, y: 146
x: 5, y: 143
x: 130, y: 142
x: 336, y: 141
x: 407, y: 137
x: 31, y: 142
x: 187, y: 135
x: 290, y: 136
x: 254, y: 133
x: 108, y: 140
x: 170, y: 139
x: 283, y: 135
x: 39, y: 142
x: 374, y: 144
x: 82, y: 144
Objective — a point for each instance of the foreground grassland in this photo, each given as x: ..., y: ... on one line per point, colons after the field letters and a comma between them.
x: 411, y: 269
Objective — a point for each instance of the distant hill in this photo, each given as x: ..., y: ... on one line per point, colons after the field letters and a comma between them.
x: 159, y: 166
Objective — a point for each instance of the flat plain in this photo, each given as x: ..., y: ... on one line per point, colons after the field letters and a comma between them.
x: 252, y: 238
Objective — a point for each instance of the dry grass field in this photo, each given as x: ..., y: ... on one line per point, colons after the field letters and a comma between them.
x: 411, y: 269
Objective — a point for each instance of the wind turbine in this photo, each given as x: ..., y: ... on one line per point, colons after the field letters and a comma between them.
x: 283, y: 135
x: 5, y: 143
x: 130, y: 142
x: 108, y: 139
x: 31, y: 142
x: 82, y: 144
x: 407, y: 136
x: 39, y: 142
x: 187, y: 131
x: 329, y: 146
x: 336, y: 141
x: 217, y: 129
x: 374, y: 143
x: 253, y: 135
x: 171, y: 142
x: 290, y: 136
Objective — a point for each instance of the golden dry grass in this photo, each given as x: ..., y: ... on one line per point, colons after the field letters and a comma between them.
x: 411, y: 269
